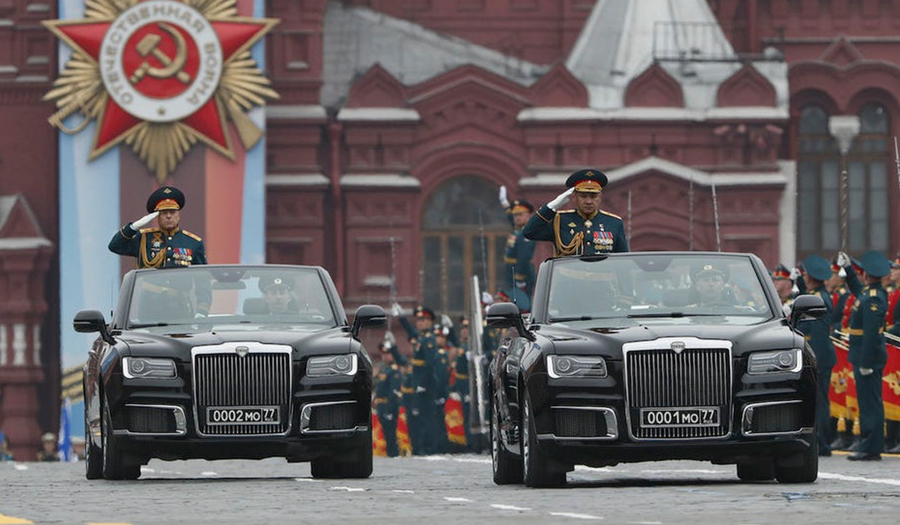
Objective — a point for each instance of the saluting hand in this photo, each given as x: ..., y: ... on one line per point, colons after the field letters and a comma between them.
x: 561, y: 199
x: 143, y: 221
x: 843, y: 260
x: 503, y: 200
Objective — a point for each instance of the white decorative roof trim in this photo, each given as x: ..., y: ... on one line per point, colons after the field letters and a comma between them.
x: 643, y: 114
x: 384, y: 180
x: 307, y: 179
x: 376, y: 114
x: 310, y: 112
x: 23, y: 243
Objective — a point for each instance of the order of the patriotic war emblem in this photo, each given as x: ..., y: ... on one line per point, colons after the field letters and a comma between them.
x: 160, y: 76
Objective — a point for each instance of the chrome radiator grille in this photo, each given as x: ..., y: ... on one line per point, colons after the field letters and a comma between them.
x: 259, y: 378
x: 692, y: 378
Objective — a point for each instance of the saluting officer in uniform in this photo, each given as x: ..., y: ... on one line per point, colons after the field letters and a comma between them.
x: 518, y: 269
x: 817, y: 333
x: 166, y: 245
x: 868, y: 354
x: 587, y: 229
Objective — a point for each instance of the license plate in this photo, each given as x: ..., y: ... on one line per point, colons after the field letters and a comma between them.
x: 679, y: 417
x: 242, y: 415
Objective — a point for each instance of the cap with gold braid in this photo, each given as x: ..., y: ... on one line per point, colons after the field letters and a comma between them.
x: 587, y: 181
x: 165, y: 198
x: 520, y: 206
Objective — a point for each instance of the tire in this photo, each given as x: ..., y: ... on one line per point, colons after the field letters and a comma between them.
x: 93, y: 455
x: 358, y: 466
x: 507, y: 466
x: 536, y: 471
x: 761, y: 470
x: 802, y: 467
x: 115, y: 465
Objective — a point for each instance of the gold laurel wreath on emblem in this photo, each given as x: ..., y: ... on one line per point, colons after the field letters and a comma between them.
x: 162, y: 145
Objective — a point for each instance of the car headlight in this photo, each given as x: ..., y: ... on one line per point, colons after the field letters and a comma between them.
x: 775, y: 361
x: 145, y: 367
x: 331, y: 365
x: 575, y: 366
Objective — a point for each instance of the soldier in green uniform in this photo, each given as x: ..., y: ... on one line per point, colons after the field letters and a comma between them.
x: 868, y: 354
x: 388, y: 397
x: 166, y: 245
x: 442, y: 374
x: 817, y: 333
x: 587, y: 229
x: 518, y: 269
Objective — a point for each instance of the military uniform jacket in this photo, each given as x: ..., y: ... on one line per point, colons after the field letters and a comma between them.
x: 867, y: 348
x: 574, y: 234
x: 153, y: 248
x: 518, y: 269
x: 818, y: 332
x: 461, y: 375
x: 387, y: 391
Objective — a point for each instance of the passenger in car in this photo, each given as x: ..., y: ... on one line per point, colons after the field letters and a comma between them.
x: 277, y: 294
x: 709, y: 286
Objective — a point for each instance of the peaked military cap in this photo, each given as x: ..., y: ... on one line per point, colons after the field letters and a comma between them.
x: 587, y: 181
x: 521, y: 205
x: 273, y: 280
x: 817, y: 267
x: 165, y: 198
x: 423, y: 312
x: 875, y: 264
x: 781, y: 272
x: 705, y: 269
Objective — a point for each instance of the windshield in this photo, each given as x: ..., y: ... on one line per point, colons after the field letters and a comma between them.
x: 202, y: 296
x: 623, y: 291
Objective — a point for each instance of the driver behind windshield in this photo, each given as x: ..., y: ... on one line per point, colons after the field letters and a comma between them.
x: 710, y: 285
x: 277, y: 294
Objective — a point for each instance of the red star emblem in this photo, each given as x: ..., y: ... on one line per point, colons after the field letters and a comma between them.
x: 159, y: 61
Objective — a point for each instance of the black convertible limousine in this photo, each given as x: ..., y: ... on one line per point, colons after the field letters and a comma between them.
x: 237, y: 362
x: 653, y: 356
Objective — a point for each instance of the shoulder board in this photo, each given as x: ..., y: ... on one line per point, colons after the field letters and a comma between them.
x: 192, y: 235
x: 565, y: 211
x: 604, y: 212
x: 873, y: 292
x: 149, y: 230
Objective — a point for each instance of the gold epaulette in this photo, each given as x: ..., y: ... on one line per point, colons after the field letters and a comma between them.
x: 461, y: 376
x: 192, y: 235
x: 407, y: 390
x: 565, y: 211
x: 149, y: 230
x: 873, y: 292
x: 604, y: 212
x: 418, y: 362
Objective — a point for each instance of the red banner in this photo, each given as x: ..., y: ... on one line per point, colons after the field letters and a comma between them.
x: 403, y: 444
x: 379, y: 445
x: 842, y: 393
x: 890, y: 385
x: 453, y: 417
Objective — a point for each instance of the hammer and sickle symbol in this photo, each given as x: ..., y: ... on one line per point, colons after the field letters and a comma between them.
x: 149, y: 45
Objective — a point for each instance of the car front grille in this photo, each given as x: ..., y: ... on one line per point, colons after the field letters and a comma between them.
x: 575, y: 423
x: 261, y: 377
x: 691, y: 378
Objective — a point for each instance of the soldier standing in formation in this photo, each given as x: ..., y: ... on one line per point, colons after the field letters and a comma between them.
x: 388, y: 397
x: 166, y: 245
x: 587, y: 229
x: 518, y: 269
x: 868, y: 353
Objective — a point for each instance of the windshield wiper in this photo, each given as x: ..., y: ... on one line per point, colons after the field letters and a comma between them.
x: 669, y: 314
x: 580, y: 318
x: 145, y: 325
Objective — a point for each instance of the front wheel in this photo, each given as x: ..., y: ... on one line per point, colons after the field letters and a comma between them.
x: 507, y: 467
x: 93, y: 455
x: 358, y: 466
x: 802, y: 467
x: 760, y: 470
x: 115, y: 465
x: 537, y: 470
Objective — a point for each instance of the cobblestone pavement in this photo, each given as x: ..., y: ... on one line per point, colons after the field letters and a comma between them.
x: 444, y: 489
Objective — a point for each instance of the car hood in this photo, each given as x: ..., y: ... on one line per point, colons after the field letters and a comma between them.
x: 148, y: 344
x: 608, y: 341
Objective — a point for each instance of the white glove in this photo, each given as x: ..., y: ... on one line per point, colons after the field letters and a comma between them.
x: 865, y: 371
x: 561, y: 199
x: 396, y: 311
x: 795, y: 274
x: 486, y: 298
x: 389, y: 339
x: 143, y: 221
x: 445, y: 321
x: 843, y: 260
x: 503, y: 200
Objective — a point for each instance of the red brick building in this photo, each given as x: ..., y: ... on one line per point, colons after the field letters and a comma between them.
x: 399, y: 119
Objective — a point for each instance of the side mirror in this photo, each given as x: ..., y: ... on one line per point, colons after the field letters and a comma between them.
x: 507, y: 315
x: 89, y: 321
x: 368, y: 316
x: 806, y: 307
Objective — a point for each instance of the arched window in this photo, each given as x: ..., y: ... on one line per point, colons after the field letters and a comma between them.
x: 464, y: 233
x: 818, y: 182
x: 819, y: 171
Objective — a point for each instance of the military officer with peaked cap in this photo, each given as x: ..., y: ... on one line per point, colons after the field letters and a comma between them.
x: 166, y: 245
x: 868, y: 353
x: 817, y: 333
x: 518, y: 270
x: 585, y: 230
